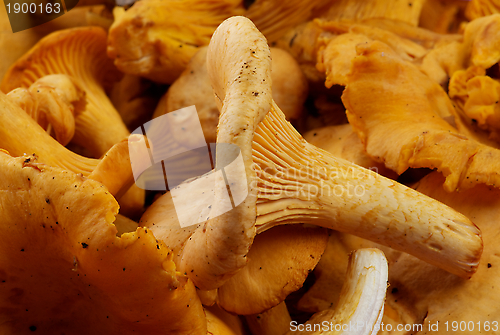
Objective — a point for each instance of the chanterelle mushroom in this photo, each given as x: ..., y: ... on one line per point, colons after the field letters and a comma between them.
x: 21, y: 135
x: 361, y: 303
x: 284, y: 176
x: 480, y: 8
x: 397, y: 112
x: 420, y: 294
x: 156, y: 39
x: 81, y: 54
x: 53, y: 101
x: 359, y: 308
x: 279, y: 261
x: 64, y: 270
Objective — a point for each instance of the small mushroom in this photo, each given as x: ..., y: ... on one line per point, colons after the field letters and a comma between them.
x: 64, y: 270
x: 360, y: 304
x: 79, y: 53
x: 329, y: 279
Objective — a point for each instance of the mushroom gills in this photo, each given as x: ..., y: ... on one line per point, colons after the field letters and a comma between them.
x: 299, y: 183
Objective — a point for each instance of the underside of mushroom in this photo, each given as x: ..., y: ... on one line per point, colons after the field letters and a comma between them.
x: 299, y: 183
x: 290, y: 181
x: 79, y: 53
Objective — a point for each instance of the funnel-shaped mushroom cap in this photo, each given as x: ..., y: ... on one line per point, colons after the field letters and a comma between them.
x: 296, y: 182
x: 361, y: 301
x: 64, y: 270
x: 79, y: 53
x: 156, y: 39
x: 20, y: 135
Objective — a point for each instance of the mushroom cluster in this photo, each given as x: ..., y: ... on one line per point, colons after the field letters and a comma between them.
x: 251, y: 167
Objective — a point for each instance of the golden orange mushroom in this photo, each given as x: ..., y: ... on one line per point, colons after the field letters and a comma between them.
x: 64, y: 270
x: 282, y: 171
x: 79, y: 53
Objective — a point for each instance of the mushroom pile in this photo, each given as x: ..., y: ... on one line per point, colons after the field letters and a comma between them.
x: 236, y: 167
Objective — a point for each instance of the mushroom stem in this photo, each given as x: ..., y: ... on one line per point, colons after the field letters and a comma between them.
x: 300, y: 183
x: 361, y: 303
x: 225, y: 240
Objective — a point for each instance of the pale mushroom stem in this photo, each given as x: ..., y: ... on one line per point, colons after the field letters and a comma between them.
x: 218, y: 248
x: 361, y: 303
x: 300, y: 183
